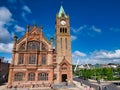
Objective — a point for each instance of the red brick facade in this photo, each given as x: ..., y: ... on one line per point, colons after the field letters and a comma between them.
x: 35, y: 61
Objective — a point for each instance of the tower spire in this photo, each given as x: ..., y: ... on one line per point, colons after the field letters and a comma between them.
x: 62, y: 12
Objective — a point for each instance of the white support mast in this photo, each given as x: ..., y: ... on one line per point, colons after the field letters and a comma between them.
x: 76, y: 65
x: 87, y: 65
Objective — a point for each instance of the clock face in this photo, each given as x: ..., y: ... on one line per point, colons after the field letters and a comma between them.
x: 62, y: 22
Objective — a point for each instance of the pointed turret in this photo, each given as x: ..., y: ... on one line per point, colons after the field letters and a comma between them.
x: 62, y: 12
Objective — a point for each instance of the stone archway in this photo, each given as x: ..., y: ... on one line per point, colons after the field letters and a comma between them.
x: 65, y: 73
x: 64, y: 77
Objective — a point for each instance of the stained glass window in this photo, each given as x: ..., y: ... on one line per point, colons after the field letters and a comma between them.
x: 32, y: 59
x: 21, y: 59
x: 33, y: 45
x: 43, y: 59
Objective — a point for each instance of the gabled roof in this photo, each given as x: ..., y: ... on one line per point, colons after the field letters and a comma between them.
x: 61, y: 12
x: 64, y: 61
x: 35, y: 31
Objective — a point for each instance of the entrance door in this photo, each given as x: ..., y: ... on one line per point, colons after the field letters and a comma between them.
x: 64, y: 77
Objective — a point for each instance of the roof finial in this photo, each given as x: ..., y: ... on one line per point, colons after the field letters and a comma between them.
x: 41, y: 28
x: 51, y: 38
x: 61, y: 12
x: 15, y: 38
x: 27, y: 27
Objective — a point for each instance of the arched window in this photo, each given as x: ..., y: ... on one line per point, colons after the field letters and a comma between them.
x: 33, y: 45
x: 31, y: 77
x: 22, y: 48
x: 65, y: 30
x: 64, y: 68
x: 32, y: 59
x: 21, y: 59
x: 19, y: 76
x: 43, y: 76
x: 60, y: 30
x: 44, y: 60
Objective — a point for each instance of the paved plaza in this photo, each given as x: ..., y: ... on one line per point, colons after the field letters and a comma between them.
x: 75, y: 86
x: 59, y: 87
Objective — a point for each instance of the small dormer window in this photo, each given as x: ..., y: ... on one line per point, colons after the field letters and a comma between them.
x: 22, y: 48
x: 63, y: 15
x: 43, y: 47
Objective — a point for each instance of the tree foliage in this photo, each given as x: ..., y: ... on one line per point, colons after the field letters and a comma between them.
x: 99, y: 73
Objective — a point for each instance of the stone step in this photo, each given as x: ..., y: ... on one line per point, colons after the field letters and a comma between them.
x: 40, y: 88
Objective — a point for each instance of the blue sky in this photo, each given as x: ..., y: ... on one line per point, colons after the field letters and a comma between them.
x: 95, y: 26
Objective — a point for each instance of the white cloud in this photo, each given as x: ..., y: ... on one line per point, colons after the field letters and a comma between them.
x: 7, y: 48
x: 78, y: 54
x: 95, y: 29
x: 73, y: 37
x: 5, y: 36
x: 5, y: 19
x: 8, y: 59
x: 27, y: 9
x: 5, y: 15
x: 19, y: 28
x: 24, y: 16
x: 100, y: 57
x: 106, y: 54
x: 87, y: 30
x: 79, y: 29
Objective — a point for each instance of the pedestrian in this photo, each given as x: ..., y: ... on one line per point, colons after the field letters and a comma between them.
x: 51, y: 85
x: 15, y: 87
x: 81, y: 83
x: 99, y: 88
x: 90, y: 86
x: 105, y: 88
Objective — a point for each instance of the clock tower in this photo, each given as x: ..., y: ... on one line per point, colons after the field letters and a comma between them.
x: 63, y: 47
